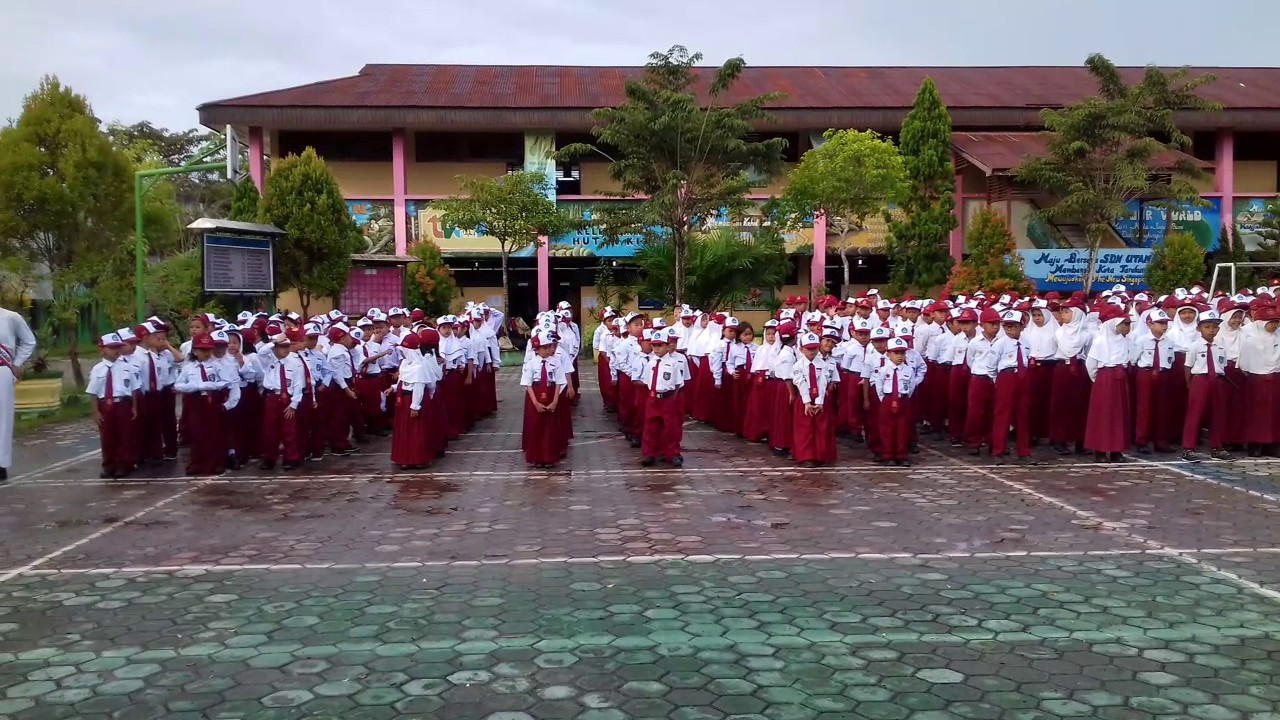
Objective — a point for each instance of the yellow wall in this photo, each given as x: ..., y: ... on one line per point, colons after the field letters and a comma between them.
x: 1255, y: 176
x: 288, y: 300
x: 596, y: 180
x: 441, y: 178
x: 360, y: 179
x: 479, y: 295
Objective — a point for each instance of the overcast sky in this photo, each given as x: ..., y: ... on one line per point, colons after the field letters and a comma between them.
x: 157, y: 59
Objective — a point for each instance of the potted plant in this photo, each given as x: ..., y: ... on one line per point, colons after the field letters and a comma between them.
x: 40, y: 389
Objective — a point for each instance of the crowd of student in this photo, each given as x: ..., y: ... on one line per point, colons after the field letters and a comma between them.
x: 276, y: 388
x: 1104, y: 375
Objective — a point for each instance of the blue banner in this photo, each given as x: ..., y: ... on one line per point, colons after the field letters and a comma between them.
x: 1065, y: 269
x: 1147, y: 224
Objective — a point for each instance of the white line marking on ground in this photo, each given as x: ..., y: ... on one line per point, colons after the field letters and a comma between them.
x: 1227, y: 485
x: 1123, y: 530
x: 94, y: 536
x: 637, y: 560
x: 51, y: 467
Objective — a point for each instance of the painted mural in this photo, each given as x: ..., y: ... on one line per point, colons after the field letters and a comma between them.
x: 376, y: 220
x: 1248, y: 215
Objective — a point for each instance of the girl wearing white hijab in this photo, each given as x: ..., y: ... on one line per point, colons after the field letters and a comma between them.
x: 758, y: 417
x: 1110, y: 415
x: 412, y: 427
x: 1039, y: 334
x: 1260, y: 364
x: 1230, y: 337
x: 1069, y: 397
x: 700, y: 347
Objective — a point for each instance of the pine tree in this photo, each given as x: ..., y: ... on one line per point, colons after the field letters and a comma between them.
x: 917, y: 246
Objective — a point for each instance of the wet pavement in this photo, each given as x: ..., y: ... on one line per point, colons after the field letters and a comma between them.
x: 736, y: 587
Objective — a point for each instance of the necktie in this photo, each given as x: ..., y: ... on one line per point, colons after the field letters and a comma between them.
x: 284, y: 383
x: 544, y: 382
x: 204, y: 374
x: 1208, y: 355
x: 151, y: 359
x: 110, y: 387
x: 748, y: 366
x: 726, y: 354
x: 353, y: 364
x: 1155, y: 360
x: 1020, y: 365
x: 653, y: 382
x: 813, y: 383
x: 894, y: 391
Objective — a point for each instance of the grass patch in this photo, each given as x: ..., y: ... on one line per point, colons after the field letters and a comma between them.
x: 74, y: 407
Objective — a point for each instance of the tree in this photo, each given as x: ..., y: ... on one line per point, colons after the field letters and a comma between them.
x: 671, y: 143
x: 514, y: 209
x: 65, y: 198
x: 848, y: 178
x: 1177, y: 262
x: 431, y: 285
x: 1106, y: 150
x: 917, y: 244
x: 301, y: 198
x: 244, y: 202
x: 723, y: 266
x: 993, y: 263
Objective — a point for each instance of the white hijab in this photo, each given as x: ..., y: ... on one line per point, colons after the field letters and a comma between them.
x: 412, y: 369
x: 1042, y: 339
x: 711, y: 338
x: 1110, y: 348
x: 1229, y: 338
x: 1260, y: 351
x: 766, y: 353
x: 1072, y: 338
x: 1183, y: 334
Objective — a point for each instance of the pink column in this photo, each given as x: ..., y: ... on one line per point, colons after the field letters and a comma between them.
x: 957, y: 233
x: 398, y: 188
x: 1224, y: 180
x: 544, y: 273
x: 818, y: 267
x: 256, y: 169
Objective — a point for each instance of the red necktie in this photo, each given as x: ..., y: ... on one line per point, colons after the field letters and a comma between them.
x: 204, y: 375
x: 748, y: 366
x: 894, y: 392
x: 1155, y: 360
x: 306, y: 371
x: 1020, y: 365
x: 111, y: 388
x: 813, y: 382
x: 1208, y: 355
x: 544, y: 381
x: 284, y: 383
x: 726, y: 354
x: 353, y: 365
x: 653, y: 382
x: 151, y: 359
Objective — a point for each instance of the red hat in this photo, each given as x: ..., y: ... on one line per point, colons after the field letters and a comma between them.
x: 989, y: 316
x: 430, y: 337
x: 203, y: 341
x: 1110, y: 312
x: 967, y: 315
x: 249, y: 335
x: 336, y: 332
x: 296, y: 335
x: 417, y: 315
x: 787, y: 329
x: 410, y: 341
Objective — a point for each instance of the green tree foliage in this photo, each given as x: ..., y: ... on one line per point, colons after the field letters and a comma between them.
x: 609, y: 293
x: 65, y: 198
x: 850, y: 177
x: 724, y: 267
x: 993, y: 263
x: 200, y: 194
x: 1177, y: 262
x: 918, y: 243
x: 514, y: 209
x: 430, y: 284
x: 301, y: 198
x: 173, y: 288
x: 672, y: 142
x: 1114, y: 147
x: 245, y: 202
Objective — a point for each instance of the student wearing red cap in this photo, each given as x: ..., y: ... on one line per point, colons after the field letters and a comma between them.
x: 202, y: 386
x: 1069, y: 402
x: 663, y: 376
x: 112, y: 386
x: 1151, y: 355
x: 814, y: 441
x: 781, y: 429
x: 958, y: 378
x: 342, y: 405
x: 284, y: 389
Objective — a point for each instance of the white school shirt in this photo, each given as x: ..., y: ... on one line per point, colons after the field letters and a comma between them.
x: 367, y: 351
x: 924, y: 333
x: 122, y: 383
x: 784, y: 363
x: 153, y: 362
x: 597, y: 337
x: 1198, y: 358
x: 855, y: 357
x: 958, y: 349
x: 800, y: 378
x: 883, y: 378
x: 979, y: 357
x: 531, y: 372
x: 295, y: 383
x: 191, y: 380
x: 624, y: 354
x: 1005, y: 350
x: 135, y: 360
x: 341, y: 365
x: 937, y: 349
x: 1142, y: 352
x: 671, y: 369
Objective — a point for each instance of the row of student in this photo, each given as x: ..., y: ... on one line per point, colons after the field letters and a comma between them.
x: 981, y: 377
x: 271, y: 388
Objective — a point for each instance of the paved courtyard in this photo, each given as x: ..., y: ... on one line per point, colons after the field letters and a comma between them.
x: 736, y: 587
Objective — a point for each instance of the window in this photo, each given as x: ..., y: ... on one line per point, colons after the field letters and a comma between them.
x: 468, y: 146
x: 568, y: 178
x: 338, y: 145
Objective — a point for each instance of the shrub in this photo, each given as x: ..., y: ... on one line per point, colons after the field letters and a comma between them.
x: 1177, y: 262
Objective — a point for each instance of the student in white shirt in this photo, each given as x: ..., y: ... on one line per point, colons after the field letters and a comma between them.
x: 781, y: 430
x: 1012, y: 404
x: 894, y: 384
x: 814, y: 441
x: 1206, y: 390
x: 205, y: 392
x: 113, y: 384
x: 1151, y: 354
x: 544, y: 380
x: 664, y: 376
x: 982, y: 374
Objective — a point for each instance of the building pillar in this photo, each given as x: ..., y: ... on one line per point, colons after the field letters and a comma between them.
x: 1224, y: 178
x: 399, y: 185
x: 818, y: 267
x: 256, y: 168
x: 538, y: 148
x: 957, y: 234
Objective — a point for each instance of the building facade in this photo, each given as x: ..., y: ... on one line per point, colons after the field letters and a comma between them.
x: 398, y: 137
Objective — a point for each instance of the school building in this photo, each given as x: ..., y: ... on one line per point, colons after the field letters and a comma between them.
x: 397, y: 137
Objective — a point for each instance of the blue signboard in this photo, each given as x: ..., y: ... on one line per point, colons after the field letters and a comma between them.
x: 1148, y: 224
x: 1065, y: 269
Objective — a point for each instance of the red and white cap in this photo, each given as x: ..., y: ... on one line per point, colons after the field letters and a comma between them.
x: 731, y: 322
x: 897, y: 344
x: 880, y: 333
x: 111, y: 340
x: 810, y: 341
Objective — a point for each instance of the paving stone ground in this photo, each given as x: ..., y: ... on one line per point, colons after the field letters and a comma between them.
x: 736, y: 587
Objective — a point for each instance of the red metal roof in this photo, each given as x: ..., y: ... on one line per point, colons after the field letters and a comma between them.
x: 528, y: 87
x: 996, y: 153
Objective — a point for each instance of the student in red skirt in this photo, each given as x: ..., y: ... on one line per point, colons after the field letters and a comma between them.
x: 756, y: 421
x: 283, y: 390
x: 202, y: 387
x: 1040, y: 336
x: 663, y: 376
x: 343, y: 405
x: 1260, y: 362
x: 1069, y: 401
x: 544, y: 380
x: 814, y: 442
x: 894, y: 384
x: 781, y: 429
x: 112, y: 385
x: 875, y: 358
x: 244, y: 419
x: 1151, y: 356
x: 1230, y: 335
x: 853, y: 367
x: 412, y: 446
x: 705, y: 385
x: 1207, y: 391
x: 603, y: 341
x: 1110, y: 417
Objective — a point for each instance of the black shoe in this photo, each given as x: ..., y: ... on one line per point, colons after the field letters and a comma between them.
x: 858, y: 438
x: 290, y: 466
x: 1118, y: 458
x: 647, y: 462
x: 635, y: 442
x: 104, y: 475
x: 677, y: 461
x: 1101, y: 457
x: 915, y: 449
x: 1028, y: 460
x: 975, y: 451
x: 1001, y: 459
x: 1144, y: 449
x: 780, y: 452
x: 1061, y: 449
x: 4, y: 474
x: 957, y: 444
x: 268, y: 465
x: 343, y: 453
x: 900, y: 462
x: 316, y: 458
x: 1191, y: 456
x: 1222, y: 455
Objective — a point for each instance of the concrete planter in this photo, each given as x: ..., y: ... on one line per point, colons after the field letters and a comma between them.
x: 38, y: 395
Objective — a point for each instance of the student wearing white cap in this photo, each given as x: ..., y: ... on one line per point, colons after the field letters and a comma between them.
x: 894, y: 383
x: 814, y: 441
x: 663, y: 375
x: 112, y: 386
x: 544, y: 380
